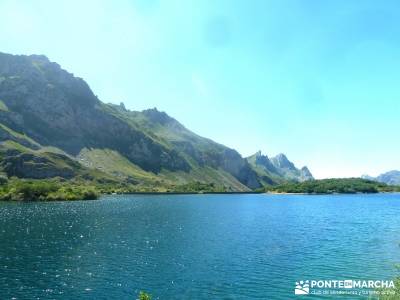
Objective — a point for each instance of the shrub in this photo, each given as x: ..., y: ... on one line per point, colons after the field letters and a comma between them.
x: 329, y: 186
x: 41, y: 190
x: 144, y: 296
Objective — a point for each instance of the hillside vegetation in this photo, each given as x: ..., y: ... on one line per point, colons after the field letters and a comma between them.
x: 31, y: 190
x: 331, y: 186
x: 52, y: 126
x: 58, y: 189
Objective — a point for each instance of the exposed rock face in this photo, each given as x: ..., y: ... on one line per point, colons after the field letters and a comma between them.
x: 54, y: 108
x: 7, y: 136
x: 390, y: 178
x: 27, y: 165
x: 305, y: 174
x: 264, y: 161
x: 43, y: 105
x: 277, y: 169
x: 199, y: 150
x: 233, y: 163
x: 57, y: 109
x: 281, y: 162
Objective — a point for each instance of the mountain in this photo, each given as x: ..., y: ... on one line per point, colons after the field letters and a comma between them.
x: 277, y: 169
x: 53, y: 125
x: 390, y: 178
x: 305, y: 174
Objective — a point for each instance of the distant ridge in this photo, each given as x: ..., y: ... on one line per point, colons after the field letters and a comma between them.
x: 390, y: 178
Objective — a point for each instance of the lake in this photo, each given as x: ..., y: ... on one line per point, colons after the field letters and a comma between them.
x: 195, y: 246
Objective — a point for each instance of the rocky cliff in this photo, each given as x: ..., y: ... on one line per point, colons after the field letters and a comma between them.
x: 277, y: 169
x: 47, y: 115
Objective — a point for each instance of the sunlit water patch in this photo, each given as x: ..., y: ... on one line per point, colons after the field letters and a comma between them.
x: 194, y: 246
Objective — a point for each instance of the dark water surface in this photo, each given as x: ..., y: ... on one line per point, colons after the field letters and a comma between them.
x: 194, y: 246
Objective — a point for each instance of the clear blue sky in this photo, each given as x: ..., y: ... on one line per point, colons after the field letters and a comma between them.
x: 317, y: 80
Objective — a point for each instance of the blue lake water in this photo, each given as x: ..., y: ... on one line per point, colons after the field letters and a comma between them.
x: 194, y: 246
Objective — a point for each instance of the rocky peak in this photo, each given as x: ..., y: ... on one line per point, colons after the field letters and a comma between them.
x: 260, y: 160
x: 263, y: 160
x: 159, y: 117
x: 37, y: 58
x: 282, y: 162
x: 54, y: 108
x: 22, y: 74
x: 305, y: 174
x: 122, y: 106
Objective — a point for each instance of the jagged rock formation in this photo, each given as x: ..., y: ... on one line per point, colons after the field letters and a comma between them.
x: 277, y: 169
x: 305, y: 174
x: 52, y: 124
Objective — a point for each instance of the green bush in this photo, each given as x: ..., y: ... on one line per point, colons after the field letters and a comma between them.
x: 144, y: 296
x: 41, y: 190
x: 3, y: 179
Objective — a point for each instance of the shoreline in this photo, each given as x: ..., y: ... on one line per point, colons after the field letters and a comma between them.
x: 196, y: 193
x: 183, y: 193
x: 319, y: 194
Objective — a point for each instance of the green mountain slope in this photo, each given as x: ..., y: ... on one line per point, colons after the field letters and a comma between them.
x: 52, y: 125
x: 199, y: 152
x: 54, y: 108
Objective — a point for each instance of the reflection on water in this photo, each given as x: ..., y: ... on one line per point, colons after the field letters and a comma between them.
x: 194, y: 246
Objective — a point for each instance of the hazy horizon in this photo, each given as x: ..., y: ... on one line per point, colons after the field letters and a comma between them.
x: 317, y: 82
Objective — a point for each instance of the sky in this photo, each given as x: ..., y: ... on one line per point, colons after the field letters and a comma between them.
x: 316, y: 80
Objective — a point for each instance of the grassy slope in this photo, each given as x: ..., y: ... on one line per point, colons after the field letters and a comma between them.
x: 61, y: 162
x: 267, y: 177
x: 55, y: 157
x: 3, y: 106
x: 206, y: 175
x: 18, y: 137
x: 104, y: 171
x: 111, y: 172
x: 113, y: 163
x: 150, y: 139
x: 167, y: 136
